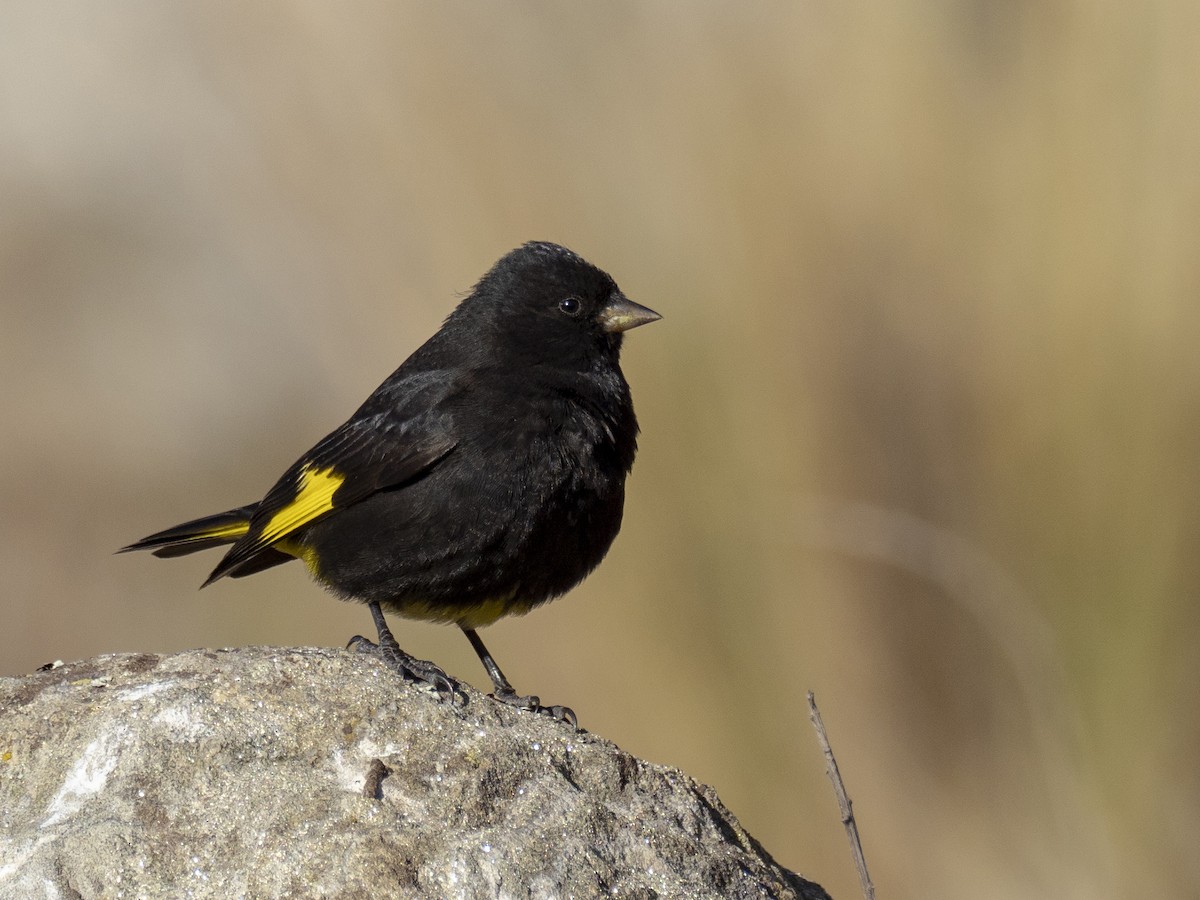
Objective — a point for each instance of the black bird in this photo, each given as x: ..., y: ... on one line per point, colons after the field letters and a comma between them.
x: 484, y: 477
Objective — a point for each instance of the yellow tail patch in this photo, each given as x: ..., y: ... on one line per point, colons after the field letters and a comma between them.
x: 313, y: 499
x: 230, y: 532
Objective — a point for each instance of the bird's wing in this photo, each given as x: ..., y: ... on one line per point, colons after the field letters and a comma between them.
x: 369, y: 453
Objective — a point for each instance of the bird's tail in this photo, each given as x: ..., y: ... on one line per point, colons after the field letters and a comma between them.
x: 199, y: 534
x: 214, y: 531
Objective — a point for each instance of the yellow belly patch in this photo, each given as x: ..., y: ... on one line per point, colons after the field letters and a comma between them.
x: 487, y: 612
x: 477, y: 616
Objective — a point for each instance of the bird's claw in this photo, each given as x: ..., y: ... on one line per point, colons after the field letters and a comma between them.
x: 421, y: 671
x: 532, y: 703
x: 561, y: 714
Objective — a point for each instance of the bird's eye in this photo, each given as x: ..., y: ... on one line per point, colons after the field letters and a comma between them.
x: 570, y: 305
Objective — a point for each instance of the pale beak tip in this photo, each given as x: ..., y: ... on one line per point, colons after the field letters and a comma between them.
x: 622, y: 314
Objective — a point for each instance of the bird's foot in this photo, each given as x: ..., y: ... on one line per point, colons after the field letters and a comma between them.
x: 534, y: 704
x: 421, y: 671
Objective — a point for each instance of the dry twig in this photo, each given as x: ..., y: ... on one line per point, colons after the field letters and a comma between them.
x: 843, y: 799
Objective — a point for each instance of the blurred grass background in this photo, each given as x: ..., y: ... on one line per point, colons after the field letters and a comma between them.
x: 920, y: 426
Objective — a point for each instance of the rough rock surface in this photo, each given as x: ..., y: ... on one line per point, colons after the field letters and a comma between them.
x: 254, y: 773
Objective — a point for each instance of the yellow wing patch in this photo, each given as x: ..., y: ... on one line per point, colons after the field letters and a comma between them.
x: 313, y: 499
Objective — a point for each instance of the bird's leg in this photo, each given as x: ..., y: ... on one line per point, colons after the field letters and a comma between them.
x: 411, y: 668
x: 504, y: 691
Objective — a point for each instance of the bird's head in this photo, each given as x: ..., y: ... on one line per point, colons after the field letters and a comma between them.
x: 544, y: 304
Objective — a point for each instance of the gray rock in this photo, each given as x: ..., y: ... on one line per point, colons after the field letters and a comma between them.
x: 266, y: 772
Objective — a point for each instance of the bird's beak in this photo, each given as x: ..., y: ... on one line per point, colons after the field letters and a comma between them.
x: 621, y: 314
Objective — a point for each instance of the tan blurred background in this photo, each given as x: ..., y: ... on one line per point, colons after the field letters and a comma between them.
x: 921, y: 425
